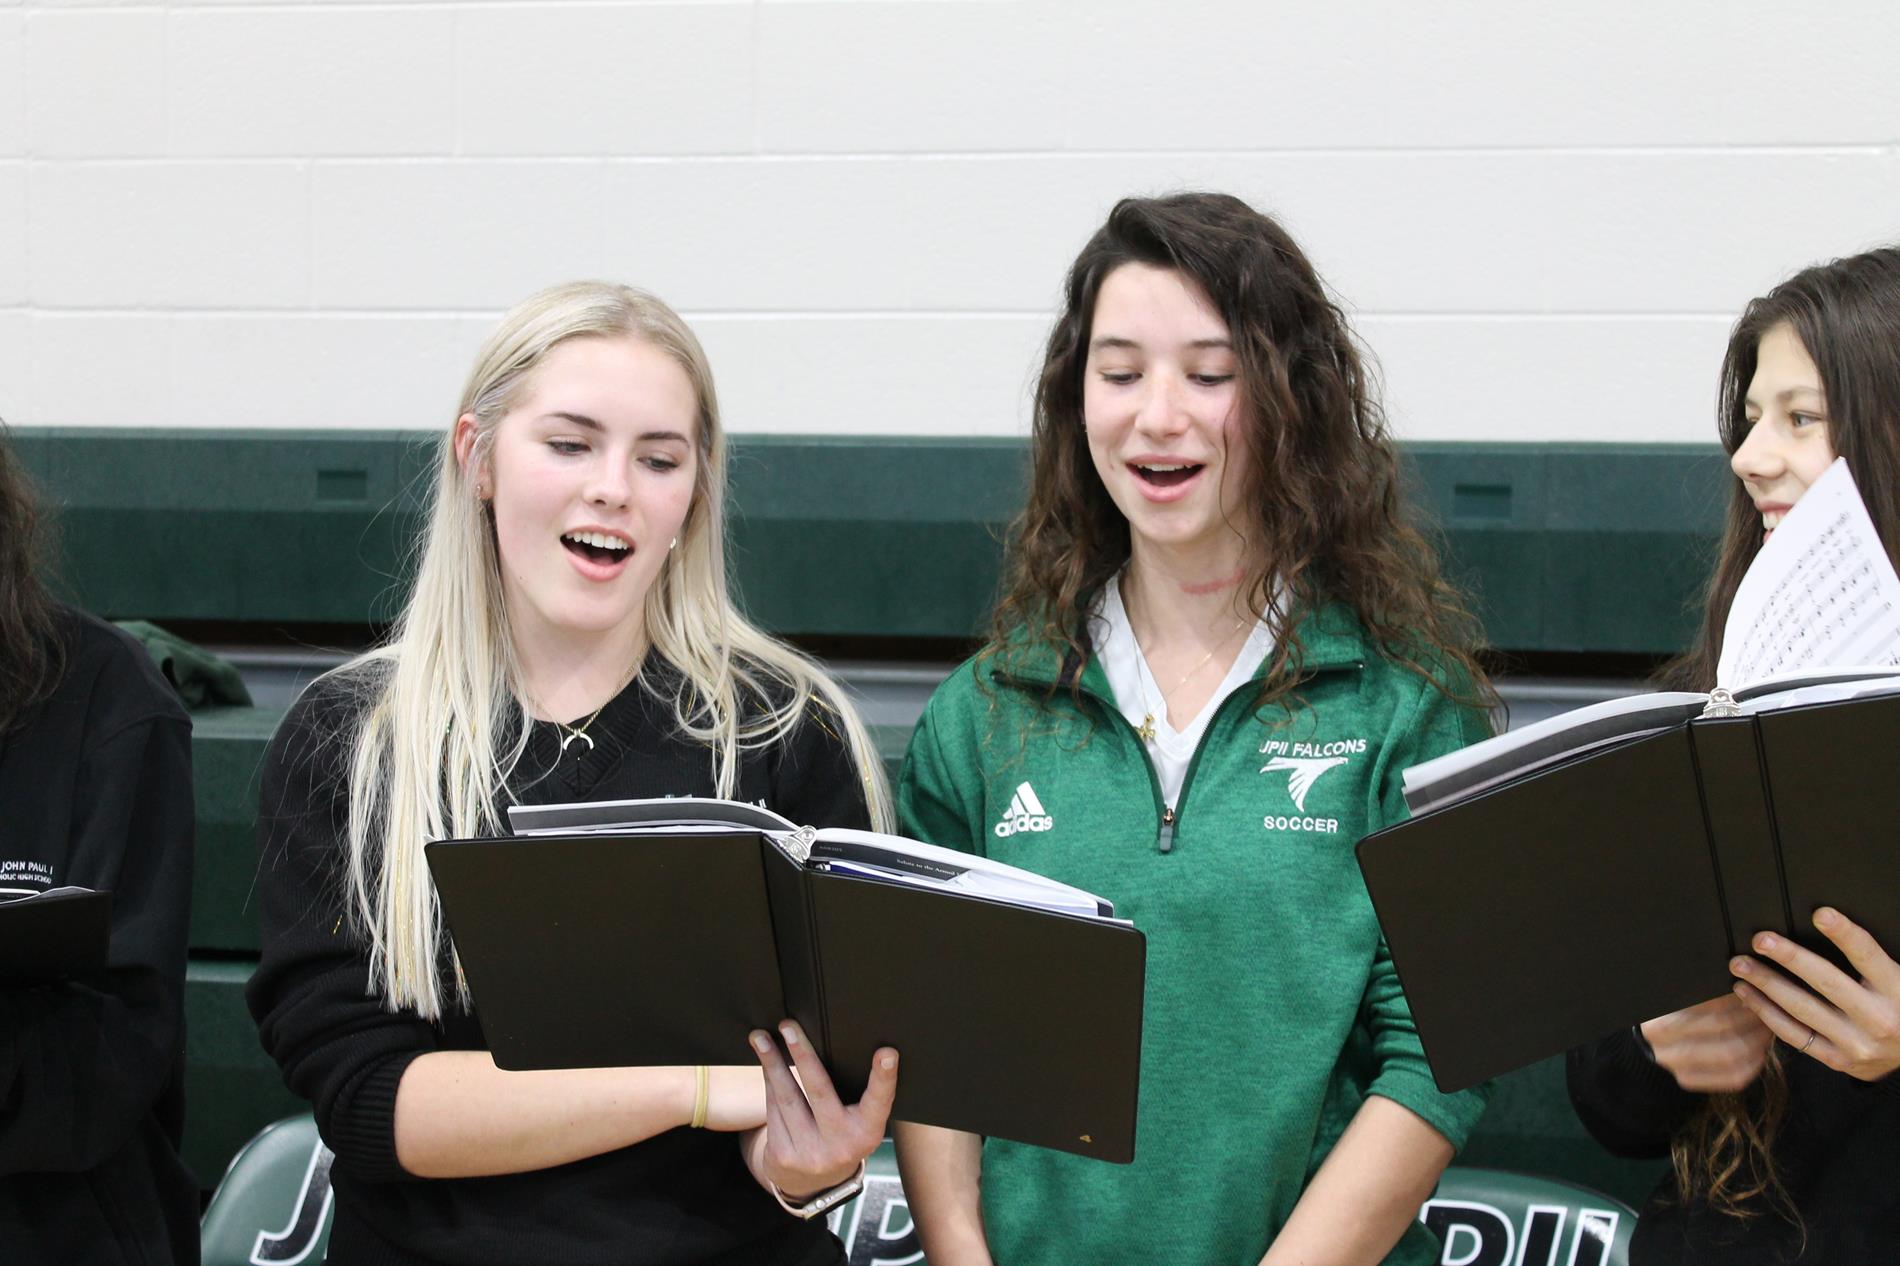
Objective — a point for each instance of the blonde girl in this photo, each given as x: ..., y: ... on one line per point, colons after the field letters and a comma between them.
x: 569, y: 637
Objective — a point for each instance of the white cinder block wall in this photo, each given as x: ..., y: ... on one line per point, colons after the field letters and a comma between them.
x: 245, y: 214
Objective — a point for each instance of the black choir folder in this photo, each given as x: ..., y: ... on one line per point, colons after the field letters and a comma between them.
x: 51, y: 935
x: 665, y: 931
x: 1601, y: 868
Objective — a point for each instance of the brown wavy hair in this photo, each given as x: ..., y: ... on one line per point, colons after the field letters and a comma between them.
x: 32, y: 657
x: 1322, y: 503
x: 1847, y: 315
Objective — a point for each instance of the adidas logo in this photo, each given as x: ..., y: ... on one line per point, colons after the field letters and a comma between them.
x: 1025, y: 813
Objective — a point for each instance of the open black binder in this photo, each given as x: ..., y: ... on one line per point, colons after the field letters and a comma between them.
x: 53, y: 935
x: 1606, y: 889
x: 669, y: 946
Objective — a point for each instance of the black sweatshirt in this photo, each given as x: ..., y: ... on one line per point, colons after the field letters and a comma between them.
x: 1838, y: 1154
x: 95, y: 791
x: 684, y: 1196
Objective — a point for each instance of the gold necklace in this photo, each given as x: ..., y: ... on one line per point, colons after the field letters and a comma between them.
x: 571, y: 732
x: 1147, y: 727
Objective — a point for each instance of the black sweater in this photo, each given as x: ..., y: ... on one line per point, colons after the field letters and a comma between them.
x: 95, y: 792
x: 1838, y: 1154
x: 684, y: 1196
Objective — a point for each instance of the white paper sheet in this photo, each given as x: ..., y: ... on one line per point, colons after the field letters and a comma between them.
x: 1821, y: 593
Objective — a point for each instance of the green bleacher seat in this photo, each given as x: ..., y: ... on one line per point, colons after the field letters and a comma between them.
x: 274, y: 1208
x: 274, y: 1204
x: 1494, y: 1217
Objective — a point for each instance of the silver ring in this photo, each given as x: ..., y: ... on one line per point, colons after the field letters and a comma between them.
x: 1812, y: 1034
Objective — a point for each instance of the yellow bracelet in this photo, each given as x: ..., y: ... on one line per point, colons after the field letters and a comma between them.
x: 702, y: 1086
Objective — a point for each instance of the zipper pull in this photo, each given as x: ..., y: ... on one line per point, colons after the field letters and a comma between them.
x: 1166, y: 841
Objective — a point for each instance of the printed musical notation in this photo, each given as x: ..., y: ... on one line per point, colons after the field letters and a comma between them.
x: 1820, y: 594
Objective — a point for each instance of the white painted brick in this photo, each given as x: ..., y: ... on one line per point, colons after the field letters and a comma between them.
x: 12, y: 84
x: 614, y: 79
x: 1001, y: 233
x: 469, y: 335
x: 185, y: 235
x: 425, y: 4
x: 1647, y: 232
x: 452, y: 234
x: 966, y: 234
x: 910, y: 76
x: 1478, y: 73
x: 316, y: 371
x: 13, y: 269
x: 102, y: 370
x: 95, y: 84
x: 1393, y: 232
x: 353, y: 81
x: 1630, y: 380
x: 16, y: 384
x: 858, y: 376
x: 774, y: 235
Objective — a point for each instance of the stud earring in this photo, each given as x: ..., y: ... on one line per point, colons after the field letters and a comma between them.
x: 675, y: 544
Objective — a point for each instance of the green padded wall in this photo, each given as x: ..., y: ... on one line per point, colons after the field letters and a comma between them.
x: 227, y: 749
x: 1567, y: 547
x: 231, y: 1089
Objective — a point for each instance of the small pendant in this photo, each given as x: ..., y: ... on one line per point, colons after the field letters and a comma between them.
x: 1147, y: 730
x: 577, y: 735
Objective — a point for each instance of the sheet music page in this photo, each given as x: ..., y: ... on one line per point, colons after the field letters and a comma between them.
x: 1821, y: 593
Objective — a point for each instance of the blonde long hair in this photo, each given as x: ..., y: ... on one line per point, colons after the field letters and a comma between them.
x: 438, y: 733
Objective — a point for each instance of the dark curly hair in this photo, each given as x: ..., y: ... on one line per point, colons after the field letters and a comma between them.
x: 1321, y: 503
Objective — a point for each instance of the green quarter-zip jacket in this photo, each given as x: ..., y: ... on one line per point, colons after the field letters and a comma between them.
x: 1272, y: 1006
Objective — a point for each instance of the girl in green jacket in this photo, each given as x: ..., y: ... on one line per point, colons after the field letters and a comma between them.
x: 1219, y: 646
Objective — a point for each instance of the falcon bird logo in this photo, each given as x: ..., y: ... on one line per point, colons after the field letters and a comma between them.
x: 1303, y: 772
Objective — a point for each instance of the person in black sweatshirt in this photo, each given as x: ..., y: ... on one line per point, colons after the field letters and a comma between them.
x: 568, y: 637
x: 1779, y: 1104
x: 95, y: 792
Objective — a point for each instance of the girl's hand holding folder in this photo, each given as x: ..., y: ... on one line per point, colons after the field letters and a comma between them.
x: 812, y: 1141
x: 1852, y: 1026
x: 1714, y: 1047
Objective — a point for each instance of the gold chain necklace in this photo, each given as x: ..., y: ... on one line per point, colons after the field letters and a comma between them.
x: 1147, y: 727
x: 571, y: 732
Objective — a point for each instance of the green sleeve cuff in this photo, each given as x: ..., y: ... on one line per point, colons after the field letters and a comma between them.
x: 1453, y: 1115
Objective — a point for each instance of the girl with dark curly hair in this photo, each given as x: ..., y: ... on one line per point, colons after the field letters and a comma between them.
x: 1220, y: 643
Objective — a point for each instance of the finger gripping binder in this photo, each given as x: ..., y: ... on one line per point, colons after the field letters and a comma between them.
x: 1602, y: 890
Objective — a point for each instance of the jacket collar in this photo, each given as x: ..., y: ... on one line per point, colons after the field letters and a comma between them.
x: 1331, y: 638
